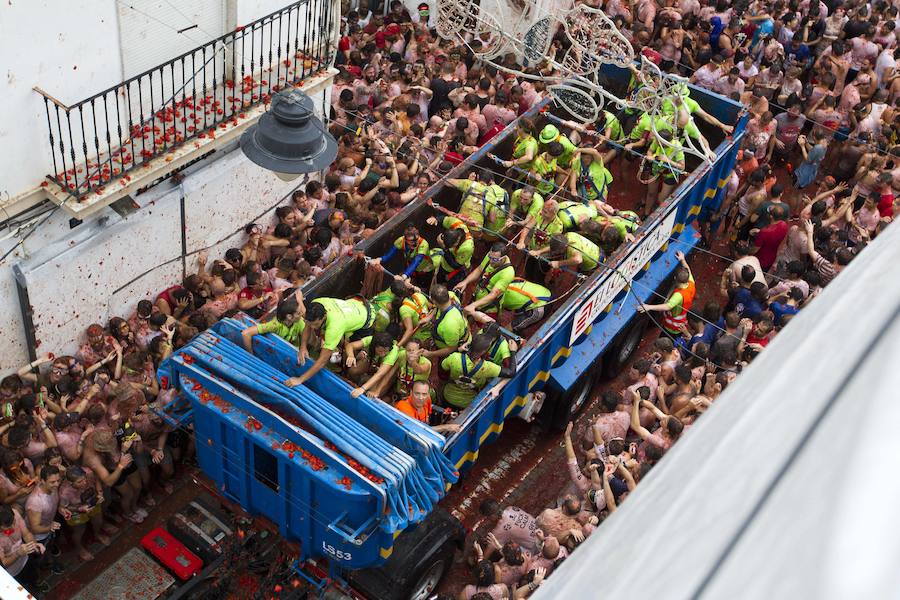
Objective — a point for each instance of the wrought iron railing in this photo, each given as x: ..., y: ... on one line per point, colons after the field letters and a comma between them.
x: 102, y: 138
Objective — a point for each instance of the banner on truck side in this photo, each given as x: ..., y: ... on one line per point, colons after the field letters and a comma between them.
x: 625, y: 271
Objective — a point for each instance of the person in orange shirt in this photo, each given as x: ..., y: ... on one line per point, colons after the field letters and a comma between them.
x: 418, y: 406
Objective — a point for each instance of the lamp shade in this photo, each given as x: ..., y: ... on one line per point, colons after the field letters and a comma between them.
x: 289, y: 139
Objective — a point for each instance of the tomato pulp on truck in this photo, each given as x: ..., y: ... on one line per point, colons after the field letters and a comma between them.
x: 358, y: 483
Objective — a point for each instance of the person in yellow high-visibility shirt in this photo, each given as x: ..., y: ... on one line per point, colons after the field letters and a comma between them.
x: 336, y: 322
x: 666, y: 159
x: 453, y: 256
x: 493, y: 275
x: 572, y: 250
x: 589, y: 179
x: 525, y: 146
x: 484, y: 203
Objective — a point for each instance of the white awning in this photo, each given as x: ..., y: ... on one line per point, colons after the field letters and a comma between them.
x: 789, y: 486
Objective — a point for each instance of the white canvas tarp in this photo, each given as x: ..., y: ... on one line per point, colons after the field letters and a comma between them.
x: 789, y: 486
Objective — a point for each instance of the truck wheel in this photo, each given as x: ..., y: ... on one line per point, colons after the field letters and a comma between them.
x: 567, y: 405
x: 623, y: 348
x: 425, y: 579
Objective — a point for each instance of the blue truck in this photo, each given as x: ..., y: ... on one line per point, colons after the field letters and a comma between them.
x: 357, y: 483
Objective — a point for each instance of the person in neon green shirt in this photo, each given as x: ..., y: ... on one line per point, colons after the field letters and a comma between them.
x: 680, y: 124
x: 573, y: 250
x: 469, y: 372
x: 573, y: 214
x: 454, y: 252
x: 483, y: 204
x: 336, y: 321
x: 525, y: 146
x: 449, y: 327
x: 375, y: 355
x: 684, y: 100
x: 666, y: 158
x: 415, y: 312
x: 527, y: 300
x: 524, y: 204
x: 287, y: 324
x: 537, y: 234
x: 411, y: 366
x: 383, y: 306
x: 416, y: 256
x: 590, y: 179
x: 493, y: 275
x: 550, y: 134
x: 544, y: 169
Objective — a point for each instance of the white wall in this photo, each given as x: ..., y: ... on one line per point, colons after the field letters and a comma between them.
x: 103, y: 267
x: 70, y: 49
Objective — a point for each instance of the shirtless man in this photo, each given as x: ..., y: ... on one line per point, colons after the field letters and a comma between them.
x: 561, y: 523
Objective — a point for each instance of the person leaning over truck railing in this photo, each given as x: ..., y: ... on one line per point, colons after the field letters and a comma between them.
x: 679, y: 303
x: 335, y: 321
x: 493, y: 275
x: 470, y: 371
x: 375, y: 356
x: 571, y: 249
x: 288, y: 323
x: 418, y: 406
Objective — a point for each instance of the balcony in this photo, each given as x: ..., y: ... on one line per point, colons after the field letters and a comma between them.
x: 121, y: 139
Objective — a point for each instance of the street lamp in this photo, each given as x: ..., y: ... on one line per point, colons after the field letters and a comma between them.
x: 289, y: 139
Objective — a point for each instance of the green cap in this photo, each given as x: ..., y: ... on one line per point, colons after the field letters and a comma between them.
x: 548, y: 134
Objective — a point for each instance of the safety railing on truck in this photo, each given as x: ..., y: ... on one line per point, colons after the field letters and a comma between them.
x: 564, y: 350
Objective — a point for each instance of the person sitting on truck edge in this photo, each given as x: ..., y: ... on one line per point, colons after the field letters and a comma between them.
x: 416, y: 256
x: 418, y: 406
x: 411, y: 366
x: 590, y: 179
x: 375, y: 356
x: 525, y: 146
x: 335, y: 321
x: 605, y: 234
x: 500, y: 349
x: 454, y: 252
x: 493, y: 275
x: 287, y: 324
x: 470, y: 372
x: 449, y: 329
x: 679, y: 303
x: 572, y: 249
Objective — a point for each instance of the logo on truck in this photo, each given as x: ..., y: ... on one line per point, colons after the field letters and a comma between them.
x: 625, y: 271
x: 335, y: 553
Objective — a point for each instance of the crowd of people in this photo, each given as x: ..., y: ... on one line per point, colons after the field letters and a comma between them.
x: 83, y: 449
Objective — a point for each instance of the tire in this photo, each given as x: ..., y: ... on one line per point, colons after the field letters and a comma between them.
x: 623, y: 348
x: 568, y: 405
x: 425, y: 579
x: 421, y: 557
